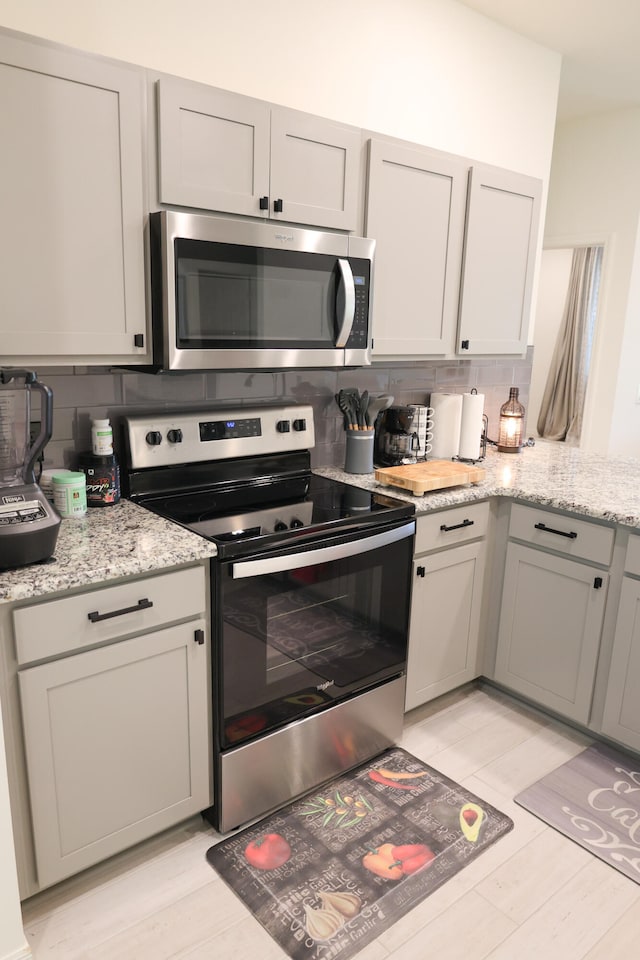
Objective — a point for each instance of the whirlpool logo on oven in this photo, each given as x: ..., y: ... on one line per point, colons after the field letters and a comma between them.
x: 324, y: 686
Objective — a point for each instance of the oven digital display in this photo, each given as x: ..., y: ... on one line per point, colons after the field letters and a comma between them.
x: 230, y: 429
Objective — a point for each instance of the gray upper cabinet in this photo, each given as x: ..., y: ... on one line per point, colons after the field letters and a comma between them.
x: 213, y: 148
x: 228, y: 153
x: 503, y: 214
x: 72, y: 201
x: 415, y: 212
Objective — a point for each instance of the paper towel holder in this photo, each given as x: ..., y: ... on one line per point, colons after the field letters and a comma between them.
x: 483, y: 443
x: 482, y: 440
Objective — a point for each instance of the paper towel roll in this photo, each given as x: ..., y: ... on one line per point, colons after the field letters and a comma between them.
x: 471, y: 426
x: 447, y: 418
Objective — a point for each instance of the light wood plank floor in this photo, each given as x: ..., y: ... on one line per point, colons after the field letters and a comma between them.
x: 534, y: 894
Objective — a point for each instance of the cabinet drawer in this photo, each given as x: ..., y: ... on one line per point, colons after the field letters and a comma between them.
x: 69, y: 624
x: 564, y: 534
x: 632, y: 563
x: 449, y: 527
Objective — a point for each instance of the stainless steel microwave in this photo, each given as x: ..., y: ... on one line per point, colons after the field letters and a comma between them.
x: 236, y: 295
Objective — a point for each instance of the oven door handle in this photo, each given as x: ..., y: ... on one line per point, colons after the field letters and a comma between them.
x: 309, y: 558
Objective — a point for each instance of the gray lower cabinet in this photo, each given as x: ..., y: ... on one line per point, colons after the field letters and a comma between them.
x: 72, y: 261
x: 224, y: 152
x: 621, y: 718
x: 448, y: 582
x: 116, y: 726
x: 550, y: 625
x: 501, y: 232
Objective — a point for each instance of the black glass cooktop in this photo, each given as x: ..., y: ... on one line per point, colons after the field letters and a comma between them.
x: 263, y: 513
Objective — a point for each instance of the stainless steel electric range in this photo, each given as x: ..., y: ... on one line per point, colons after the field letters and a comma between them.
x: 310, y: 597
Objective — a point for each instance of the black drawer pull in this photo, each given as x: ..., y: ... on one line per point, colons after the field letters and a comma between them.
x: 456, y: 526
x: 420, y: 572
x: 95, y: 617
x: 597, y: 583
x: 561, y: 533
x: 198, y: 636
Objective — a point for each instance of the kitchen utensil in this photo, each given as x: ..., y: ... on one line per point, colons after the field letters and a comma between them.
x: 364, y: 406
x: 28, y: 522
x: 376, y: 405
x: 346, y: 406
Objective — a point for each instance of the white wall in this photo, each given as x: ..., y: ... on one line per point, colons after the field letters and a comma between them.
x: 594, y: 197
x: 431, y: 71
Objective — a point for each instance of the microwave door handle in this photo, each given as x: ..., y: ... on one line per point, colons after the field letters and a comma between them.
x: 309, y: 558
x: 346, y: 287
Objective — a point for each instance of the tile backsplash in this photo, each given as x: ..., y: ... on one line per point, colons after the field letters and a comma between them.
x: 83, y: 393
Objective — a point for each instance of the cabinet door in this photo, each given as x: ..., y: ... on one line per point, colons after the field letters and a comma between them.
x: 445, y: 622
x: 117, y: 746
x: 415, y: 213
x: 550, y: 626
x: 621, y: 718
x: 213, y: 148
x: 503, y: 214
x: 314, y: 170
x: 71, y: 195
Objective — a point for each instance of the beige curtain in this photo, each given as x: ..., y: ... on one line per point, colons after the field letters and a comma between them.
x: 562, y: 405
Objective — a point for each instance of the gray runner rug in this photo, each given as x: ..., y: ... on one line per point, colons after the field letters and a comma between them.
x: 594, y: 799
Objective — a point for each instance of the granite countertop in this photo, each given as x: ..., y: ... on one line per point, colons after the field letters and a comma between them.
x: 549, y: 474
x: 126, y: 539
x: 107, y: 543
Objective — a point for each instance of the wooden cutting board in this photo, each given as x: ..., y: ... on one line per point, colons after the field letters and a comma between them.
x: 419, y: 478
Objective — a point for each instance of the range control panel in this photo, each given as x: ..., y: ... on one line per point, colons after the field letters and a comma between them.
x: 157, y: 440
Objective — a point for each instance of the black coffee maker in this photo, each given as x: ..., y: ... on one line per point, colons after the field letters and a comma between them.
x: 396, y: 441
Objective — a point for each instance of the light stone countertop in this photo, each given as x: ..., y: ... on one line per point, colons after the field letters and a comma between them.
x: 109, y: 542
x: 549, y: 474
x: 124, y: 540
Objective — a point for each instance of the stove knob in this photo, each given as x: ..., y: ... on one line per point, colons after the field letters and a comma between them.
x: 174, y: 436
x: 279, y: 526
x: 300, y: 424
x: 295, y: 523
x: 283, y: 426
x: 153, y: 438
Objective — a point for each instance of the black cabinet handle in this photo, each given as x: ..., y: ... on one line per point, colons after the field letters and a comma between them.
x: 597, y: 583
x: 277, y: 206
x: 198, y: 636
x: 420, y: 572
x: 264, y: 203
x: 464, y: 345
x: 571, y: 535
x: 456, y: 526
x: 95, y: 617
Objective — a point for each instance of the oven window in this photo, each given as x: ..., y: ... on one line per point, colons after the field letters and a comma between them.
x: 297, y: 641
x: 233, y: 296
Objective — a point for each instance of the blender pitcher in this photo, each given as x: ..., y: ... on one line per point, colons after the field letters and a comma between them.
x: 28, y: 522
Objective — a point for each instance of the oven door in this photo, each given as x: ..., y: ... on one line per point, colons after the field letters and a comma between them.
x: 301, y: 629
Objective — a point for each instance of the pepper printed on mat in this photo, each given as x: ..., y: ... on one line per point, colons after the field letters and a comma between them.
x: 348, y: 878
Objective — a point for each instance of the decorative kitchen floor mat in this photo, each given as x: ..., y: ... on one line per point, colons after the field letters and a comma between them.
x: 594, y: 799
x: 329, y: 872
